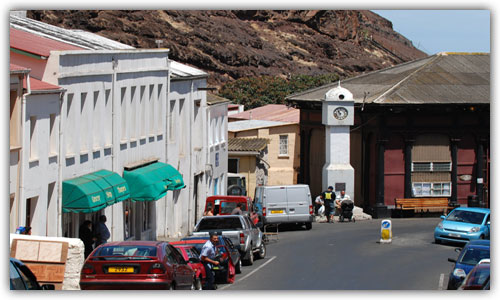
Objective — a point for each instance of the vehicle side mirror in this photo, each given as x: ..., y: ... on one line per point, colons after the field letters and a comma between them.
x: 443, y: 217
x: 488, y: 223
x: 48, y: 287
x: 452, y: 260
x: 458, y: 250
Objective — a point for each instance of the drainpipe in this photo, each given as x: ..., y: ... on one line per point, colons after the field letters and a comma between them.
x: 190, y: 112
x: 23, y: 151
x: 115, y: 141
x: 59, y: 166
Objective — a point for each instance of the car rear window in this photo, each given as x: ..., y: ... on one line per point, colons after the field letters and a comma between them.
x: 466, y: 216
x: 132, y: 252
x: 219, y: 223
x: 227, y: 207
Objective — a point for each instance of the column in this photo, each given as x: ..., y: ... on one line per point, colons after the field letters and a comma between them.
x: 380, y: 209
x: 408, y: 160
x: 454, y: 171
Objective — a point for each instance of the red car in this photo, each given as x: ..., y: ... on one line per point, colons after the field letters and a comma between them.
x: 224, y: 205
x: 225, y: 272
x: 136, y: 265
x: 192, y: 256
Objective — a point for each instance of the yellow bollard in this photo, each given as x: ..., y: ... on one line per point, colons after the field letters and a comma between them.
x: 386, y: 232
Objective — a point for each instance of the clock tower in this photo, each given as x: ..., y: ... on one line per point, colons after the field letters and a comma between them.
x: 338, y: 117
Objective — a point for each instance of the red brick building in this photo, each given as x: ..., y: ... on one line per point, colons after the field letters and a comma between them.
x: 422, y: 129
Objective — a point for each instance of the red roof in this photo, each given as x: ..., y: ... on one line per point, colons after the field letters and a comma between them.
x: 38, y: 85
x: 32, y: 43
x: 14, y: 68
x: 270, y: 112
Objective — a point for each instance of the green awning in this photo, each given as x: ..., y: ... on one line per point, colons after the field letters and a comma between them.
x: 93, y: 192
x: 152, y: 182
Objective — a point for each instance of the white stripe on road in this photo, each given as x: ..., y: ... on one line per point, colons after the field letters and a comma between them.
x: 441, y: 281
x: 249, y: 274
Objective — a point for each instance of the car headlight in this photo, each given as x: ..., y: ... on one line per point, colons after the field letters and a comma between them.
x: 474, y: 229
x: 440, y: 225
x: 459, y: 273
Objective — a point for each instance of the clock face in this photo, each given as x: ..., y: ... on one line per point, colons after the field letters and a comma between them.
x: 340, y: 113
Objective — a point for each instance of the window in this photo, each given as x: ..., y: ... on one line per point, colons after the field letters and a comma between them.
x: 33, y: 139
x: 159, y: 118
x: 172, y: 121
x: 283, y: 145
x: 108, y: 134
x: 123, y: 114
x: 151, y: 108
x: 83, y: 123
x: 133, y: 113
x: 96, y: 122
x: 69, y: 126
x: 233, y: 165
x: 431, y: 167
x: 142, y: 109
x: 437, y: 189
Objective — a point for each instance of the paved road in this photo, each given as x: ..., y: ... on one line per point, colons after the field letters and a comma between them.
x: 348, y: 256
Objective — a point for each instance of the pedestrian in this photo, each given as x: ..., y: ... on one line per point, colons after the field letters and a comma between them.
x: 207, y: 257
x: 209, y: 212
x: 254, y: 217
x: 87, y: 237
x: 338, y: 201
x: 328, y: 197
x: 102, y: 231
x: 237, y: 210
x: 318, y: 202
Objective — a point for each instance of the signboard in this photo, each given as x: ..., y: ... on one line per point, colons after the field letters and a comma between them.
x: 386, y: 232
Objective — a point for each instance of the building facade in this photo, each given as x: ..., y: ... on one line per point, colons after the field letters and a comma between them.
x: 421, y: 129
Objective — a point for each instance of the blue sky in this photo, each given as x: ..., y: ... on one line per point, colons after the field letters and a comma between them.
x: 433, y: 31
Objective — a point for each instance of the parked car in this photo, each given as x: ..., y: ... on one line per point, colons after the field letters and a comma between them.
x: 236, y: 184
x: 224, y: 205
x: 192, y: 256
x: 243, y: 233
x: 200, y: 240
x: 469, y: 256
x: 464, y: 224
x: 284, y: 204
x: 226, y: 272
x: 21, y: 277
x: 136, y: 265
x: 478, y: 278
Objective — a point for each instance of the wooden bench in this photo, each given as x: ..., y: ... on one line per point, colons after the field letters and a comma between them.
x: 423, y: 204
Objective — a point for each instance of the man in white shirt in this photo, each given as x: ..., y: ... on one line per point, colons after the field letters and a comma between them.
x: 338, y: 201
x: 207, y: 257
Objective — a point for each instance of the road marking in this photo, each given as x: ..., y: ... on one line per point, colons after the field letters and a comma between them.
x: 249, y: 274
x: 441, y: 281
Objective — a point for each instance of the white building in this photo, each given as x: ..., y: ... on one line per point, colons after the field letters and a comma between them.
x: 126, y: 111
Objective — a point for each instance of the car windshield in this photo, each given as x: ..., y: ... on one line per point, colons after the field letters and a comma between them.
x: 473, y: 256
x: 466, y: 217
x: 129, y: 252
x: 219, y: 223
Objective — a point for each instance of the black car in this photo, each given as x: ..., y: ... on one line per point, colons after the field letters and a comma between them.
x: 21, y: 277
x: 234, y: 253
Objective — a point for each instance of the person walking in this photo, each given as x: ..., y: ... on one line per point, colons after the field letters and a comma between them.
x: 318, y: 202
x: 102, y: 231
x: 207, y: 257
x: 328, y: 200
x: 87, y: 237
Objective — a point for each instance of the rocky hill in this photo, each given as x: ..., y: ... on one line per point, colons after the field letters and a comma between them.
x: 231, y: 44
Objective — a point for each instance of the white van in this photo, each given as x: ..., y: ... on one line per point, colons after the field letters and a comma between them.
x: 284, y: 204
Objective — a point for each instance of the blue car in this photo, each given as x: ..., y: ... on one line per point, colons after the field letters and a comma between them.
x: 471, y: 254
x: 463, y: 224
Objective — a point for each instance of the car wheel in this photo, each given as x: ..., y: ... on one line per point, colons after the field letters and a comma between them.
x: 436, y: 241
x: 172, y: 286
x: 238, y: 267
x: 262, y: 251
x: 249, y: 260
x: 309, y: 225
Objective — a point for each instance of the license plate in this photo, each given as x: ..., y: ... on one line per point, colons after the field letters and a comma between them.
x: 454, y: 235
x: 276, y: 211
x: 121, y: 270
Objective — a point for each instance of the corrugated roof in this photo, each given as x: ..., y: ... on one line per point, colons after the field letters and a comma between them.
x: 38, y: 85
x: 18, y: 69
x: 88, y: 40
x: 444, y: 78
x: 214, y: 99
x: 247, y: 144
x: 270, y: 112
x: 34, y: 44
x: 253, y: 124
